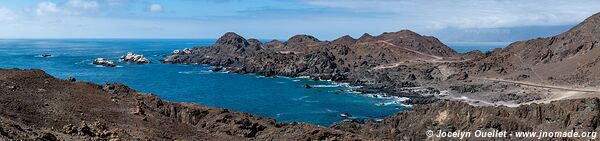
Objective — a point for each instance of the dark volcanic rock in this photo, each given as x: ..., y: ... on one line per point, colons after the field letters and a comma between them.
x: 274, y: 44
x: 301, y: 40
x: 232, y: 41
x: 474, y: 55
x: 365, y: 37
x: 344, y: 40
x: 254, y: 44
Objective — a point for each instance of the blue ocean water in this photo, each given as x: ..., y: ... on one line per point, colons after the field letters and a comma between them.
x: 284, y: 99
x: 463, y: 47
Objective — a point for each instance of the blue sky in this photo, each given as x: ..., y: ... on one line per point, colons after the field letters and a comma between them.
x: 450, y: 20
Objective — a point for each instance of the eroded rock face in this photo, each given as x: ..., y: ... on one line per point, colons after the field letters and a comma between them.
x: 135, y: 58
x: 104, y: 62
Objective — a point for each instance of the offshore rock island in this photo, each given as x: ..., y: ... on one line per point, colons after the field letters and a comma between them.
x: 540, y: 84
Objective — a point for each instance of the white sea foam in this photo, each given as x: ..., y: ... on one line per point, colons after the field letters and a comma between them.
x: 306, y: 77
x: 325, y: 86
x: 390, y: 100
x: 195, y: 72
x: 300, y: 98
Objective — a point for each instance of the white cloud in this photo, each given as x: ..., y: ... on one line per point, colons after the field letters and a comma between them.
x: 155, y: 8
x: 70, y: 7
x: 83, y: 4
x: 46, y: 8
x: 7, y: 15
x: 472, y: 13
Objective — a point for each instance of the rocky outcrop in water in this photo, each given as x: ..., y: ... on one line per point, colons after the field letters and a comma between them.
x: 135, y: 58
x: 104, y: 62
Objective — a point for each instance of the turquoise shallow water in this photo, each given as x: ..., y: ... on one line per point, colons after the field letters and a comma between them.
x: 284, y: 99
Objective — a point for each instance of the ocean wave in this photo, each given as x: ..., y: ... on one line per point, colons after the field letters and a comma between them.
x: 101, y: 66
x: 325, y: 86
x: 305, y: 77
x: 394, y: 101
x: 300, y: 98
x: 196, y: 72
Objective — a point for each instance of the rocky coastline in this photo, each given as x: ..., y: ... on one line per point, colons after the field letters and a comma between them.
x: 37, y: 106
x: 508, y: 89
x: 344, y: 60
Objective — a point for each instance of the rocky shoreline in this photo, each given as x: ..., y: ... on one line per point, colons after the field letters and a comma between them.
x: 37, y: 106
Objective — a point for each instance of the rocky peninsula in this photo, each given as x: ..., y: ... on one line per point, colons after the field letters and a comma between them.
x: 407, y: 64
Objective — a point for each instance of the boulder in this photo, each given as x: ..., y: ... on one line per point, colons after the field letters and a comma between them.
x: 135, y: 58
x: 104, y: 62
x: 181, y: 52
